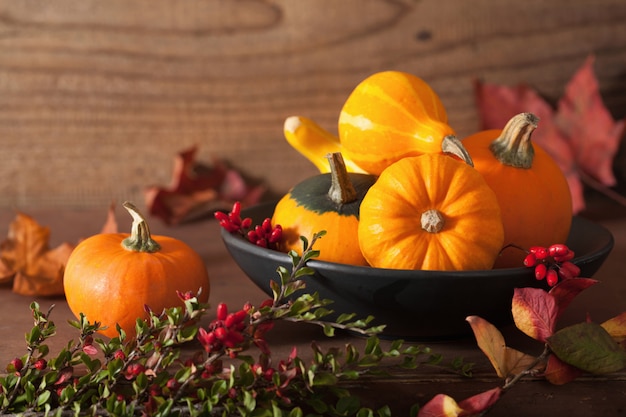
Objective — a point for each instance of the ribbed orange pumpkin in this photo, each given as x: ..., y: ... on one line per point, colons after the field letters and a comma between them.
x: 388, y: 116
x: 328, y: 202
x: 111, y: 277
x: 532, y: 190
x: 430, y: 212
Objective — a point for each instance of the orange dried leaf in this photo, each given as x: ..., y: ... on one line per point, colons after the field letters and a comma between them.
x: 534, y: 312
x: 45, y: 276
x: 28, y: 260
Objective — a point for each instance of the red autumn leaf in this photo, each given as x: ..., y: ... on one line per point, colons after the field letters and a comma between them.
x: 505, y: 360
x: 534, y: 312
x: 440, y: 405
x: 480, y: 402
x: 566, y: 290
x: 588, y: 125
x: 580, y: 134
x: 559, y: 373
x: 198, y: 190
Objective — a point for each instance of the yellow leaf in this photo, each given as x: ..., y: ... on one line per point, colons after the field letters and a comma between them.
x: 506, y: 361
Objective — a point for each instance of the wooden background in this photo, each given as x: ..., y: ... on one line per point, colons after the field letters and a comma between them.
x: 96, y: 97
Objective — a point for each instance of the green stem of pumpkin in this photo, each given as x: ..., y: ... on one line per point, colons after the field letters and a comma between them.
x: 341, y: 188
x: 140, y: 239
x: 514, y: 147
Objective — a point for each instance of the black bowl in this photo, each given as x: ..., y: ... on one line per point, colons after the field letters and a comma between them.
x: 415, y: 305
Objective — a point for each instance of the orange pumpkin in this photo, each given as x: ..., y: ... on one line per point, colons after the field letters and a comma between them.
x: 111, y: 277
x: 328, y: 202
x: 430, y: 212
x: 531, y: 188
x: 388, y: 116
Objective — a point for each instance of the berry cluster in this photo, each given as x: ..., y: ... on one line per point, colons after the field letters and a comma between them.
x: 552, y: 263
x: 225, y: 331
x: 265, y: 235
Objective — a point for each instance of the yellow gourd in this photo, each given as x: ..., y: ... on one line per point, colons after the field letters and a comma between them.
x: 389, y: 116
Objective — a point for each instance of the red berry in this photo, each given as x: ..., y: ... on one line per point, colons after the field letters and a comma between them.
x: 552, y: 278
x: 276, y: 234
x: 172, y: 383
x: 17, y: 364
x: 40, y: 364
x: 236, y: 211
x: 220, y: 333
x: 222, y: 311
x: 568, y: 270
x: 530, y: 260
x: 540, y: 271
x: 221, y: 216
x: 539, y: 251
x: 267, y: 225
x: 566, y: 257
x: 558, y: 249
x: 246, y: 223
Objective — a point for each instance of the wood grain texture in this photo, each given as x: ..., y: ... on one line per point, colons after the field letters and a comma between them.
x: 97, y: 97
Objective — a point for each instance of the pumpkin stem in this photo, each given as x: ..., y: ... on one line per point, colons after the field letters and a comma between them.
x: 452, y: 145
x: 432, y: 221
x: 140, y: 239
x: 341, y: 188
x: 514, y: 147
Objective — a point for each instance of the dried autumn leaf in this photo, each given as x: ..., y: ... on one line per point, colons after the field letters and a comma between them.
x: 559, y: 373
x: 589, y: 347
x: 478, y: 403
x: 197, y: 190
x: 28, y: 260
x: 616, y: 327
x: 566, y: 290
x: 534, y: 312
x: 591, y: 131
x: 440, y: 405
x: 110, y: 224
x: 505, y: 360
x: 580, y: 134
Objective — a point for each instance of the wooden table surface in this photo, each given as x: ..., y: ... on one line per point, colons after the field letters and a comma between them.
x: 587, y: 396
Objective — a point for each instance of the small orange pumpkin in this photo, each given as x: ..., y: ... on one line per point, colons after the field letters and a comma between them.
x: 388, y: 116
x: 328, y: 202
x: 531, y: 188
x: 111, y: 277
x: 430, y: 212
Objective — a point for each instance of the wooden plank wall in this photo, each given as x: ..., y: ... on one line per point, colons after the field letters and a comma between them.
x: 96, y: 97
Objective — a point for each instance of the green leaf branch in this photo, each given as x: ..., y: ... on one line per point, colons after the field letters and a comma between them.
x: 230, y: 370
